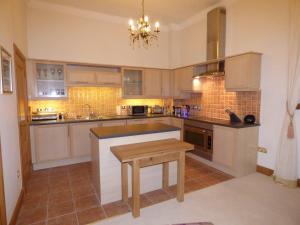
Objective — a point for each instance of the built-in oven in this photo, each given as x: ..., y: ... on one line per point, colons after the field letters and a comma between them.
x: 201, y: 136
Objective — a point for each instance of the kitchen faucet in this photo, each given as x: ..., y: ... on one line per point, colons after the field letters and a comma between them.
x: 90, y: 108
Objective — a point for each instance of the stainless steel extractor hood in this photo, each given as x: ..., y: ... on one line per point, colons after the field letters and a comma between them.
x: 215, y: 49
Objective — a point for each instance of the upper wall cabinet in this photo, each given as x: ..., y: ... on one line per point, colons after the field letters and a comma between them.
x: 167, y: 83
x: 93, y: 76
x: 180, y: 84
x: 186, y: 77
x: 133, y: 81
x: 153, y: 83
x: 242, y: 72
x: 46, y: 80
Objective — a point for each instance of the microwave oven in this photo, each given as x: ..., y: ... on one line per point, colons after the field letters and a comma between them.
x: 137, y: 110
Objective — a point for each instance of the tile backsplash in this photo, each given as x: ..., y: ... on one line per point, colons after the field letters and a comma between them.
x: 214, y: 99
x: 103, y: 101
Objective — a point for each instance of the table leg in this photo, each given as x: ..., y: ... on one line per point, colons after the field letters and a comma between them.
x: 124, y: 175
x: 180, y: 177
x: 136, y: 188
x: 165, y: 176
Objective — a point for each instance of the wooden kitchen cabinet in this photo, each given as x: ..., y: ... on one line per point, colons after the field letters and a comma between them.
x: 80, y: 142
x: 243, y: 72
x: 235, y: 150
x: 51, y: 142
x: 93, y: 76
x: 109, y: 78
x: 80, y: 76
x: 132, y: 83
x: 46, y: 80
x: 177, y: 86
x: 167, y: 83
x: 186, y: 79
x: 152, y: 83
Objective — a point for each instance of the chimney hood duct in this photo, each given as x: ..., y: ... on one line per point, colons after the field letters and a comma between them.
x: 215, y: 49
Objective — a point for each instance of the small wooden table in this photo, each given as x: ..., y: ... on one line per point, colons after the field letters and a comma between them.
x: 147, y: 154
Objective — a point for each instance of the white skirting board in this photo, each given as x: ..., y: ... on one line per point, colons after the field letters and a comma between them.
x: 62, y: 162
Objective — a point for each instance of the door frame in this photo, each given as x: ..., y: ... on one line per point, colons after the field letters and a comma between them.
x: 3, y: 220
x: 18, y: 53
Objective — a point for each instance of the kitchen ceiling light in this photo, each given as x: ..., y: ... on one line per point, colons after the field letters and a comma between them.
x: 141, y: 30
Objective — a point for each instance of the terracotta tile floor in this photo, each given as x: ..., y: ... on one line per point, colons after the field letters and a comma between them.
x: 65, y: 195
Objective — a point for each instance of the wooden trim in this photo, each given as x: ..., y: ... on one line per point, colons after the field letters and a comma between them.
x: 18, y: 52
x: 298, y: 106
x: 264, y: 170
x: 14, y: 217
x: 23, y: 123
x: 269, y: 172
x: 3, y: 220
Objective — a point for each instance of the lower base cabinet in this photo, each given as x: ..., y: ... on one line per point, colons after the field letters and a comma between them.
x: 62, y: 144
x: 235, y: 150
x: 80, y: 142
x: 50, y: 142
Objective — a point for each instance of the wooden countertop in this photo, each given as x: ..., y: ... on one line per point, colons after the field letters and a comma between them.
x: 131, y: 130
x: 127, y: 153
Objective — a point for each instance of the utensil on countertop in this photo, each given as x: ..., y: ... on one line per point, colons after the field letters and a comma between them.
x: 233, y: 117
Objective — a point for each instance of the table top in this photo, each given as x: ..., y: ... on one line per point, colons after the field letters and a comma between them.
x: 130, y: 152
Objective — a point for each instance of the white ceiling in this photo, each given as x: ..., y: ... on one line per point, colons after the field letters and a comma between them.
x: 166, y: 11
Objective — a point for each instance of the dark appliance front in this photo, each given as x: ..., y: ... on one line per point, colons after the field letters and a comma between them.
x: 201, y: 136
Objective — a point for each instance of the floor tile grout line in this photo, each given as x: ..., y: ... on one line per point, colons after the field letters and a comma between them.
x: 220, y: 177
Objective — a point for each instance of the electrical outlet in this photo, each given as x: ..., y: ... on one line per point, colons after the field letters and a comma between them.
x: 262, y: 150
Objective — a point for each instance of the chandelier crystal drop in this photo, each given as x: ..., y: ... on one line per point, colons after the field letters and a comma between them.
x: 141, y: 32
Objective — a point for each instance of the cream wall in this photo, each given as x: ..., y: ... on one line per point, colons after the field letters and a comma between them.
x: 65, y: 34
x: 12, y: 20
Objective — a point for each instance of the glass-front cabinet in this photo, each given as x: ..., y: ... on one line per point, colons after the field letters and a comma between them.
x: 132, y: 83
x: 48, y: 80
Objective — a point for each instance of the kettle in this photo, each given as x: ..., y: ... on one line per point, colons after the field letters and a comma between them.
x: 249, y: 119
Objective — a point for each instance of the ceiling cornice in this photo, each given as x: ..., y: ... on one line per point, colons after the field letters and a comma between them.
x: 35, y: 4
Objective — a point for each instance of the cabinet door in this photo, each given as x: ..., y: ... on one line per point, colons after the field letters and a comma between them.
x: 51, y: 142
x: 132, y: 83
x: 177, y: 91
x: 152, y: 83
x: 113, y: 123
x: 77, y: 76
x: 137, y: 121
x: 186, y: 79
x: 108, y: 79
x: 242, y: 72
x: 80, y: 139
x: 224, y: 145
x: 166, y: 80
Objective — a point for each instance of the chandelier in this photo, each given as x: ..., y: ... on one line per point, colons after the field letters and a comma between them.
x: 141, y: 30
